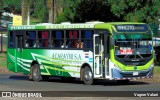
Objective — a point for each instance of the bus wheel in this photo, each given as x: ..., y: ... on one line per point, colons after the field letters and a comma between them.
x: 30, y: 75
x: 87, y: 76
x: 36, y: 74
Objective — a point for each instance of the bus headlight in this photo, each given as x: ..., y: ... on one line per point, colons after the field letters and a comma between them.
x: 117, y: 67
x: 151, y: 66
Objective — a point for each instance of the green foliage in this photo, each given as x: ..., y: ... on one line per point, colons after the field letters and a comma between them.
x: 84, y: 10
x: 13, y: 5
x: 40, y: 10
x: 157, y: 70
x: 69, y: 11
x: 92, y: 10
x: 3, y: 60
x: 136, y: 10
x: 154, y: 28
x: 1, y: 5
x: 110, y: 10
x: 61, y: 18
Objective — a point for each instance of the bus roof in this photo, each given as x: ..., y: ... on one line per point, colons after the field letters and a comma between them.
x: 67, y: 25
x: 118, y: 23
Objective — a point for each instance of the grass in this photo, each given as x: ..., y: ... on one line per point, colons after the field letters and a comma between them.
x: 3, y: 60
x: 156, y: 76
x: 157, y: 69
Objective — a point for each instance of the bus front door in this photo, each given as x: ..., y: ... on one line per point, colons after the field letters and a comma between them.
x: 98, y: 56
x: 18, y: 54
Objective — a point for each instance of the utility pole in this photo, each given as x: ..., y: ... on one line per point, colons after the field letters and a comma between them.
x: 28, y: 13
x: 158, y: 25
x: 25, y: 11
x: 55, y: 11
x: 50, y: 7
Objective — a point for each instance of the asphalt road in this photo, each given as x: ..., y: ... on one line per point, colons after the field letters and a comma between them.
x: 19, y: 82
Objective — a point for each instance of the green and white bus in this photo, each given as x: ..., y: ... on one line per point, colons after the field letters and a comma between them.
x: 95, y: 50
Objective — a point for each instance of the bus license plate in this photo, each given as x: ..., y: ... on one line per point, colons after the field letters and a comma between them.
x: 135, y: 73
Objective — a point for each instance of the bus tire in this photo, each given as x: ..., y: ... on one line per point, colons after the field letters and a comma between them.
x: 87, y: 76
x: 36, y: 74
x: 30, y: 75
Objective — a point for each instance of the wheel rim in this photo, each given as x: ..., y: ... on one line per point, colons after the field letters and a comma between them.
x: 36, y: 72
x: 88, y: 75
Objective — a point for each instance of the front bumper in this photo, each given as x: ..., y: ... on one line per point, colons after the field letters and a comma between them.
x: 127, y: 75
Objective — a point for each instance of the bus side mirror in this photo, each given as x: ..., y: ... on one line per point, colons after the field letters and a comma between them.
x: 112, y: 41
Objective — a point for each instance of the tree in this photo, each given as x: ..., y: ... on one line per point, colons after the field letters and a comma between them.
x: 136, y: 10
x: 94, y: 10
x: 89, y: 10
x: 40, y: 10
x: 86, y: 10
x: 67, y: 10
x: 110, y: 10
x: 1, y: 5
x: 13, y: 6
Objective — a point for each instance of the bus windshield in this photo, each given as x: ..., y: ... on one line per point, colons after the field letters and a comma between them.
x: 132, y: 46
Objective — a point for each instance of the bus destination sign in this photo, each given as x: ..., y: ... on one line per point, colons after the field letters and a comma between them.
x: 131, y: 28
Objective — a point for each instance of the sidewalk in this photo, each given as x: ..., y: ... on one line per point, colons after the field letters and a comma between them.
x: 4, y: 70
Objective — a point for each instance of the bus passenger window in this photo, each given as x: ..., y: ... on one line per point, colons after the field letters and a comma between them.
x: 37, y: 44
x: 27, y: 43
x: 51, y: 44
x: 27, y: 40
x: 42, y: 40
x: 86, y: 37
x: 57, y: 39
x: 75, y: 37
x: 81, y: 44
x: 72, y: 39
x: 30, y: 38
x: 45, y: 38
